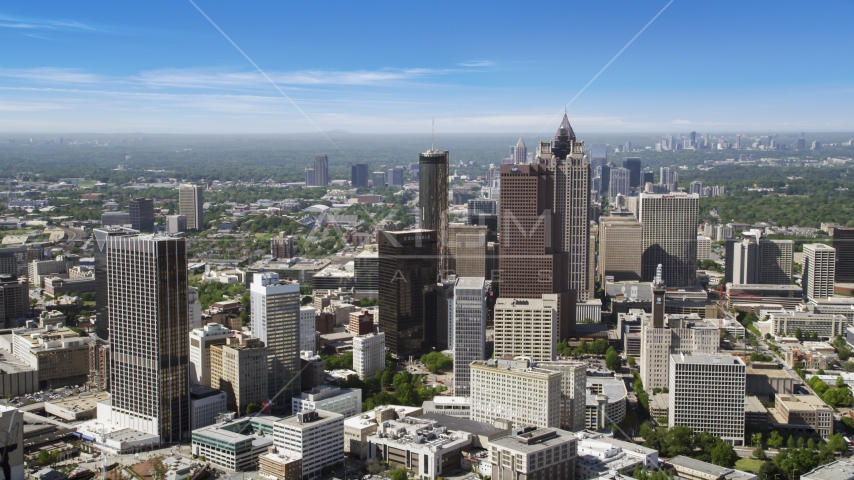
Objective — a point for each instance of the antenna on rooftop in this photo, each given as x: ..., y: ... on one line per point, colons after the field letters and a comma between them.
x: 433, y: 135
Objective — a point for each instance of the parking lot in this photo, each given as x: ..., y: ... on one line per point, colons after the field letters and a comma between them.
x: 45, y: 396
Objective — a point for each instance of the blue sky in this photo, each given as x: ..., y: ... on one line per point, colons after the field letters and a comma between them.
x: 161, y: 67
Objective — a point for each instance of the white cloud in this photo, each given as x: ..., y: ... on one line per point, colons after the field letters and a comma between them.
x: 477, y: 63
x: 22, y: 22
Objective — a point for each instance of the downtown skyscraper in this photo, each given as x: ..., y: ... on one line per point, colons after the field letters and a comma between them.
x: 191, y: 205
x: 433, y: 200
x: 669, y: 237
x: 572, y: 206
x: 321, y: 170
x: 276, y: 321
x: 149, y: 331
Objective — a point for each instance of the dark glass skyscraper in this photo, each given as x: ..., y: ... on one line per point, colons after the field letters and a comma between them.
x: 142, y: 214
x: 843, y: 242
x: 102, y: 322
x: 407, y: 264
x: 633, y: 165
x: 433, y: 200
x: 321, y: 170
x: 359, y: 175
x: 149, y: 328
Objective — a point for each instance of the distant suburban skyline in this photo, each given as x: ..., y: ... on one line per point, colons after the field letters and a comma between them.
x: 161, y: 67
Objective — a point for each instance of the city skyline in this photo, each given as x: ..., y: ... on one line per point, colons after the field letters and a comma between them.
x: 92, y: 68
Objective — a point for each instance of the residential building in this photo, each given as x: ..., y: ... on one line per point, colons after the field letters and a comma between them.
x: 206, y: 404
x: 369, y: 354
x: 239, y: 368
x: 201, y: 340
x: 276, y: 322
x: 149, y: 358
x: 307, y: 328
x: 59, y: 354
x: 283, y: 246
x: 754, y: 259
x: 191, y: 205
x: 321, y: 170
x: 515, y: 390
x: 407, y: 264
x: 620, y: 248
x: 469, y: 329
x: 669, y: 178
x: 526, y: 327
x: 619, y: 183
x: 343, y: 401
x: 141, y: 214
x: 669, y: 237
x: 15, y: 298
x: 704, y: 248
x: 573, y: 396
x: 819, y: 270
x: 706, y: 393
x: 534, y: 453
x: 317, y: 436
x: 176, y: 223
x: 433, y: 201
x: 235, y: 445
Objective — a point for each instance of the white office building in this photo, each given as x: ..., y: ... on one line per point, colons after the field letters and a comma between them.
x: 687, y: 334
x: 315, y: 435
x: 526, y: 327
x: 707, y: 395
x: 819, y: 270
x: 206, y: 404
x: 573, y: 392
x: 201, y: 340
x: 515, y: 390
x: 469, y: 330
x: 369, y: 354
x: 343, y: 401
x: 276, y: 322
x: 307, y: 328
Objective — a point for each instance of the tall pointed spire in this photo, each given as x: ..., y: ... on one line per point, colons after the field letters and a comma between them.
x: 520, y: 143
x: 565, y: 128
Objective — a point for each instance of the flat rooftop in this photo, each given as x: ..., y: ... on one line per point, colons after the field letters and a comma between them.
x: 706, y: 359
x: 81, y: 403
x: 458, y: 424
x: 842, y: 469
x: 516, y: 444
x: 801, y: 402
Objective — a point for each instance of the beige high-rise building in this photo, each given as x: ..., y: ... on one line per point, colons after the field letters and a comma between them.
x: 467, y: 248
x: 620, y: 248
x: 819, y: 270
x: 515, y: 390
x: 777, y: 257
x: 688, y: 334
x: 526, y: 327
x: 239, y: 368
x: 572, y: 205
x: 669, y: 237
x: 191, y: 205
x: 573, y: 397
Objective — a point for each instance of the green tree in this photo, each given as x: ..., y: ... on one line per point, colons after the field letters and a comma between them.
x: 790, y: 443
x: 770, y: 471
x: 399, y: 474
x: 759, y: 454
x: 679, y: 441
x: 387, y: 378
x: 840, y: 382
x: 775, y: 440
x: 631, y: 361
x: 437, y: 362
x: 612, y: 360
x: 837, y: 443
x: 252, y: 408
x: 724, y: 455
